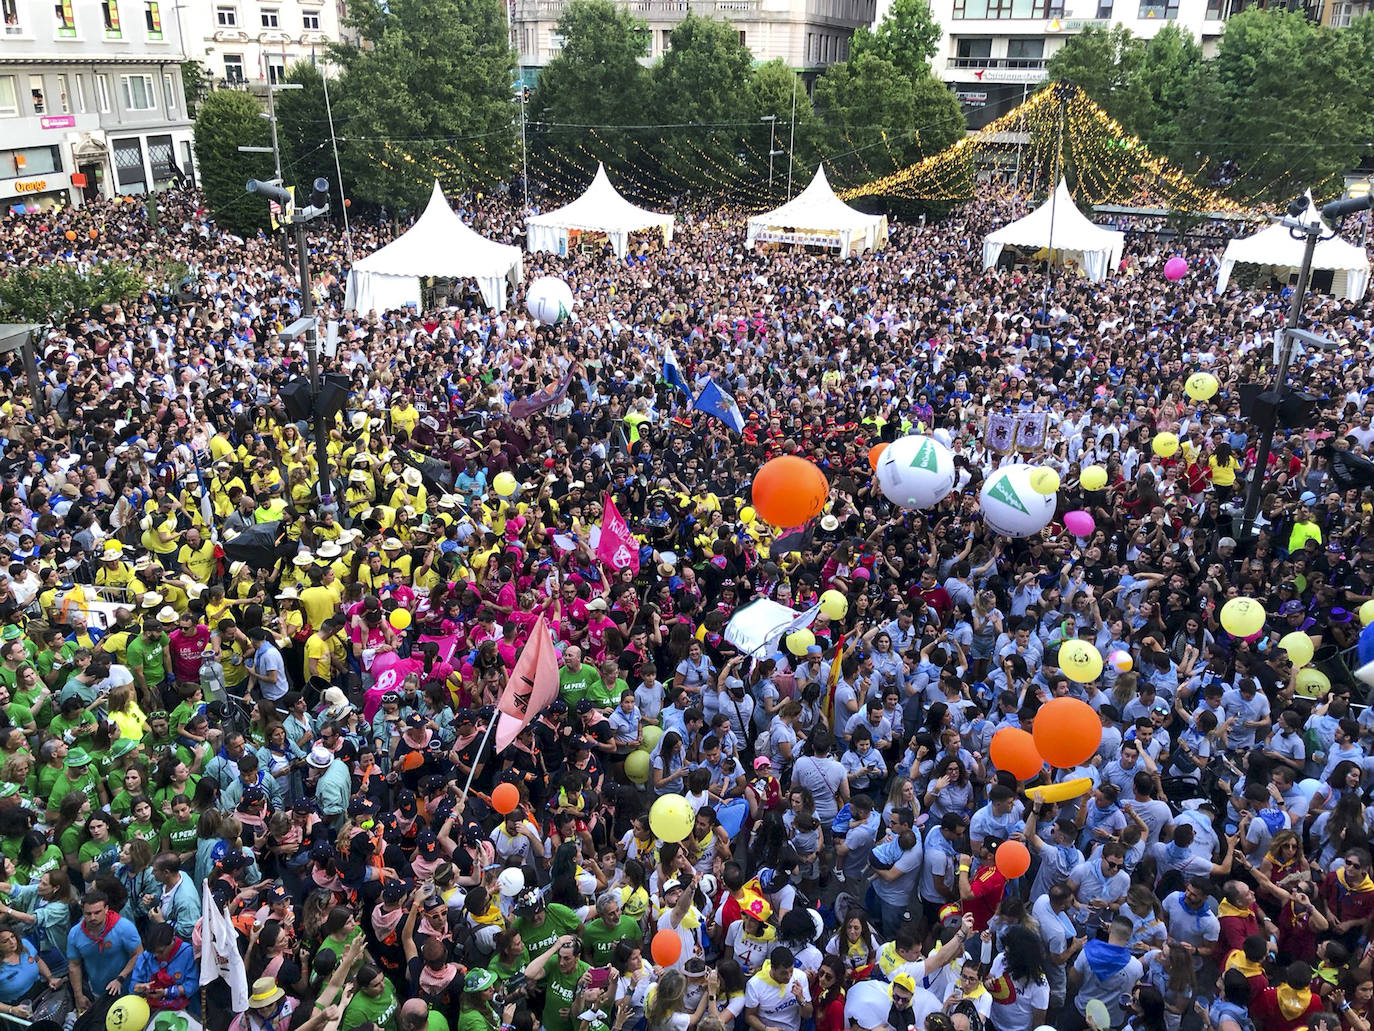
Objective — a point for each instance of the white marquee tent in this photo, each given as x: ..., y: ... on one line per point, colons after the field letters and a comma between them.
x: 816, y: 217
x: 601, y: 209
x: 1059, y: 223
x: 438, y: 244
x: 1273, y: 248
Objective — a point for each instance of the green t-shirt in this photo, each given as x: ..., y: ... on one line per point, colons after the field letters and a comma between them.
x: 604, y: 697
x: 560, y: 990
x: 142, y: 832
x: 51, y: 859
x: 505, y: 971
x: 380, y: 1011
x: 182, y: 714
x: 69, y: 841
x: 148, y: 655
x: 20, y: 715
x: 64, y: 786
x: 61, y: 724
x: 436, y: 1021
x: 180, y: 837
x: 599, y: 941
x: 468, y: 1020
x: 558, y: 921
x: 103, y: 853
x: 575, y: 686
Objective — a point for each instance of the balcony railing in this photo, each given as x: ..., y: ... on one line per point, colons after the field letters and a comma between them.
x: 1024, y: 63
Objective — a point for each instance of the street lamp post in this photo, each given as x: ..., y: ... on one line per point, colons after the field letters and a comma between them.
x: 773, y: 152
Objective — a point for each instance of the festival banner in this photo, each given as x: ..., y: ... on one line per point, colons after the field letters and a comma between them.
x: 617, y: 549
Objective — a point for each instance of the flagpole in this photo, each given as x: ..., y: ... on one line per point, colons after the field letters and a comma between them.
x: 491, y: 726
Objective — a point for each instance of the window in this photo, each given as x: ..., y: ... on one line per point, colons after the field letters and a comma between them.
x: 979, y: 48
x: 233, y: 67
x: 227, y: 17
x: 667, y: 42
x: 80, y: 83
x: 102, y: 92
x: 169, y: 94
x: 1025, y: 49
x: 9, y: 97
x: 161, y: 156
x: 11, y: 15
x: 152, y: 19
x: 742, y: 41
x: 32, y: 160
x: 310, y: 21
x: 66, y: 21
x: 810, y: 47
x: 1104, y: 9
x: 40, y: 104
x: 128, y: 162
x: 270, y: 18
x: 64, y: 100
x: 1154, y: 9
x: 138, y: 92
x: 276, y: 70
x: 110, y: 9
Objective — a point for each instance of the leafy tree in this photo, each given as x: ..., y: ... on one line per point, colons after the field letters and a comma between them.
x: 429, y: 92
x: 772, y: 90
x: 908, y: 36
x: 303, y: 132
x: 1286, y: 99
x: 596, y: 79
x: 227, y: 120
x: 1170, y: 70
x: 54, y: 292
x: 195, y: 81
x: 1106, y: 65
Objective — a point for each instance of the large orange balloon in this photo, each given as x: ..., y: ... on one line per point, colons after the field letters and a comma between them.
x: 1013, y: 859
x: 875, y: 453
x: 1067, y: 732
x: 666, y: 947
x: 789, y: 491
x: 504, y: 798
x: 1013, y: 750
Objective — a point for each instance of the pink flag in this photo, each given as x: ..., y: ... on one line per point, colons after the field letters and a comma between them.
x: 533, y: 684
x: 617, y: 548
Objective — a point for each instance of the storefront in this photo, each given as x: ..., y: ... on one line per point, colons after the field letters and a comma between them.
x: 36, y: 192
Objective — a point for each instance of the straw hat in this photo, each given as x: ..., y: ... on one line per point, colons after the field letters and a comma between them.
x: 412, y: 477
x: 328, y: 550
x: 166, y: 614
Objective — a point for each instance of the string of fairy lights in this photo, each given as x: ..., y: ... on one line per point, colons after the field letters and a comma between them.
x: 730, y: 164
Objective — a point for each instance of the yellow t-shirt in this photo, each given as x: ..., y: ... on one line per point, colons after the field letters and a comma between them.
x: 1223, y: 475
x: 157, y: 527
x: 316, y: 647
x: 319, y: 604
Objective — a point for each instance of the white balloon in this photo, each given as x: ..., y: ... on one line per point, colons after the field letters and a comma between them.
x: 549, y: 300
x: 1011, y: 506
x: 915, y: 472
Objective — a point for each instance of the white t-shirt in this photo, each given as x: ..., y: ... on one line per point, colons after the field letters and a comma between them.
x: 748, y: 953
x: 777, y: 1007
x: 691, y: 939
x: 1015, y: 1013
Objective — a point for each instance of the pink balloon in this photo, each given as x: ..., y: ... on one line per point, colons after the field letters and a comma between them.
x: 1175, y: 269
x: 1079, y: 523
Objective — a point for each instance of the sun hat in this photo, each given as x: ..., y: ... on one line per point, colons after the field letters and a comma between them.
x: 166, y: 614
x: 328, y: 550
x: 266, y: 991
x: 479, y: 980
x: 78, y: 757
x: 412, y: 477
x: 319, y: 757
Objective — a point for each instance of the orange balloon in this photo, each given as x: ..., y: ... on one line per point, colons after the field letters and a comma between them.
x: 70, y: 235
x: 95, y: 233
x: 504, y: 798
x: 1013, y: 859
x: 666, y: 947
x: 875, y: 453
x: 789, y: 491
x: 1067, y: 732
x: 1013, y: 750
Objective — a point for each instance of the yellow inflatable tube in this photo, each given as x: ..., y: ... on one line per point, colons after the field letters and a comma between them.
x: 1062, y: 791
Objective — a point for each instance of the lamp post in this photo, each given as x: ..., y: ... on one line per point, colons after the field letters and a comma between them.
x: 773, y: 152
x: 1304, y: 222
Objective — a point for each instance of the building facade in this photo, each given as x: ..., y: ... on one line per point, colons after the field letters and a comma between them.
x: 255, y: 41
x: 808, y: 35
x: 91, y: 100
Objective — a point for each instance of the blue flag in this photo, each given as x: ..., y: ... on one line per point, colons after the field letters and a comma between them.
x: 672, y: 371
x: 714, y: 401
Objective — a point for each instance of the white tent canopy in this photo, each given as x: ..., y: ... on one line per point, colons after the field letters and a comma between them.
x: 600, y: 210
x: 1059, y: 224
x: 1272, y: 247
x: 817, y: 218
x: 438, y: 244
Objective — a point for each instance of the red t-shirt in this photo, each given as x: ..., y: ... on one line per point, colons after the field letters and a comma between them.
x: 1269, y: 1017
x: 988, y: 887
x: 187, y: 649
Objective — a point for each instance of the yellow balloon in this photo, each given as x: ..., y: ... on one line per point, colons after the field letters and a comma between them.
x: 1243, y: 617
x: 747, y: 515
x: 1201, y: 385
x: 650, y: 735
x: 834, y: 605
x: 1367, y: 612
x: 1298, y: 646
x: 1044, y: 480
x: 1311, y: 682
x: 1080, y: 661
x: 128, y: 1014
x: 399, y: 619
x: 800, y: 640
x: 505, y: 484
x: 671, y: 818
x: 637, y: 767
x: 1165, y: 444
x: 1093, y: 477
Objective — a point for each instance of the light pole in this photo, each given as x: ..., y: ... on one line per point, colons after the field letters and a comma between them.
x: 1304, y: 222
x: 773, y: 152
x: 792, y: 137
x: 522, y: 94
x: 275, y: 149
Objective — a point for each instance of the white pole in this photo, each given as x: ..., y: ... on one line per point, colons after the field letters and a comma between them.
x: 792, y: 137
x: 496, y: 718
x: 338, y: 170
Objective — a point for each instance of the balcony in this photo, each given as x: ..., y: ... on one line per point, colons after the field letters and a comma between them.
x: 1025, y: 64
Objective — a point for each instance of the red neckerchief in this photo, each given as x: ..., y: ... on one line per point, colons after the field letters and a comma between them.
x: 111, y: 918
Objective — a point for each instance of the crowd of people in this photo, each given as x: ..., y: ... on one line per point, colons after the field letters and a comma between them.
x: 304, y: 734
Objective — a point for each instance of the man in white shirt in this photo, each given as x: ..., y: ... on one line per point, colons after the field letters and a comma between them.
x: 781, y: 1000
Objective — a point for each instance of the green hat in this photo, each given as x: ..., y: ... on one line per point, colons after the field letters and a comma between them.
x: 78, y: 757
x: 479, y: 980
x: 8, y: 790
x: 168, y: 1020
x: 11, y: 633
x: 121, y: 747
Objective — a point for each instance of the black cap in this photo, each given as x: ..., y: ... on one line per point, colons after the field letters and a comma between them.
x: 584, y: 706
x: 415, y: 720
x: 254, y: 795
x: 233, y: 860
x: 320, y: 851
x: 427, y: 841
x: 394, y: 891
x: 558, y: 707
x: 405, y: 801
x: 463, y: 716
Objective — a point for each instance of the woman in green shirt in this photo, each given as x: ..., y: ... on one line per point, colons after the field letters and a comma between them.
x: 510, y: 957
x: 560, y: 970
x: 478, y: 1012
x: 101, y: 850
x: 373, y: 1002
x: 36, y: 857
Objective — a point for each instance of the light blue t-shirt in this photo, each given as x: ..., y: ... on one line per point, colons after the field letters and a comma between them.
x: 102, y: 957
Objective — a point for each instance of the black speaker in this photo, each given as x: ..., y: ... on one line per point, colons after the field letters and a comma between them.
x: 295, y: 398
x: 1256, y: 403
x: 1298, y: 409
x: 333, y: 396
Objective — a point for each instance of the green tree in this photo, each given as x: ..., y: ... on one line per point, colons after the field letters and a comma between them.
x: 595, y: 80
x: 1286, y: 99
x: 429, y: 92
x: 1170, y: 71
x: 227, y: 120
x: 876, y: 120
x: 54, y: 292
x: 303, y: 132
x: 908, y: 36
x: 195, y: 81
x: 1106, y: 65
x: 773, y: 88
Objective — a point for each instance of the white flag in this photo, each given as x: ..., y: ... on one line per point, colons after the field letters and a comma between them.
x: 219, y: 951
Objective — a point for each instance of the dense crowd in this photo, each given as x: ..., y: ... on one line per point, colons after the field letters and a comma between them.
x: 300, y: 737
